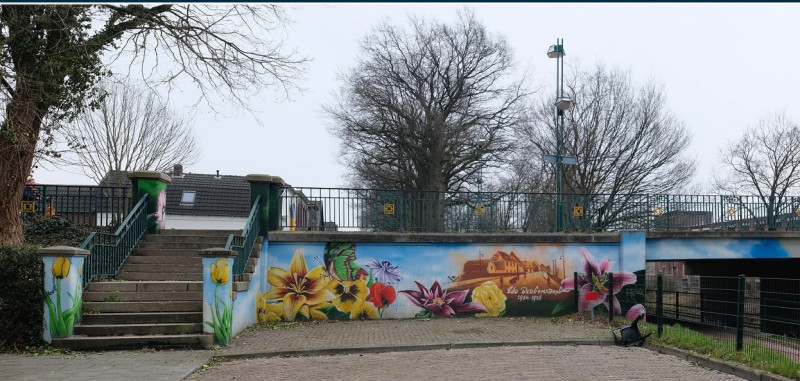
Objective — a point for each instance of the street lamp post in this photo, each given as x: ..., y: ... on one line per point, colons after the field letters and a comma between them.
x: 562, y: 104
x: 480, y: 208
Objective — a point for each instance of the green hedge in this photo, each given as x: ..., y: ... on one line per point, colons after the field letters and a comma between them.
x: 21, y: 279
x: 21, y: 297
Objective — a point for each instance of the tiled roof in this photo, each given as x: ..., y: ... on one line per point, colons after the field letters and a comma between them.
x: 224, y: 196
x: 221, y: 196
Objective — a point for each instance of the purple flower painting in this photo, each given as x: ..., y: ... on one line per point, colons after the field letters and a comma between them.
x: 596, y: 279
x: 441, y: 303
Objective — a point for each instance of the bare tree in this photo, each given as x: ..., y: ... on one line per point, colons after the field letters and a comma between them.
x: 411, y: 113
x: 53, y: 55
x: 625, y: 139
x: 132, y: 129
x: 765, y: 162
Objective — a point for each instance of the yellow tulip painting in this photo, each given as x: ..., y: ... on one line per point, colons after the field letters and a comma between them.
x: 62, y: 321
x: 221, y: 312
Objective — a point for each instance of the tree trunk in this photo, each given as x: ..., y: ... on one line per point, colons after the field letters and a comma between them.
x: 17, y: 145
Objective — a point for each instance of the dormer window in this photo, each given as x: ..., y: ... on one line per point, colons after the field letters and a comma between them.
x: 187, y: 198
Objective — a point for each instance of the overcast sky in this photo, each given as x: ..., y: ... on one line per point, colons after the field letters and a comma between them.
x: 722, y: 67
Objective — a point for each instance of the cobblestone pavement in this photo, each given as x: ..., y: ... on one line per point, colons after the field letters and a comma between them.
x: 106, y: 366
x: 414, y: 333
x: 458, y: 348
x: 571, y: 362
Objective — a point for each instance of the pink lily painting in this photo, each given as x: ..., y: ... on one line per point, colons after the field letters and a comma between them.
x: 596, y: 278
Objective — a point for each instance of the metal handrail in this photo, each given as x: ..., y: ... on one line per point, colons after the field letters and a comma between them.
x: 498, y: 211
x: 243, y: 244
x: 108, y: 252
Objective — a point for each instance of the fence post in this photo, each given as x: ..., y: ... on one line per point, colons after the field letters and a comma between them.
x: 740, y: 315
x: 660, y: 303
x: 575, y: 291
x: 677, y: 305
x: 611, y: 294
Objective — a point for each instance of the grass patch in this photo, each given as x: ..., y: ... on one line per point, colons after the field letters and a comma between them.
x: 753, y: 353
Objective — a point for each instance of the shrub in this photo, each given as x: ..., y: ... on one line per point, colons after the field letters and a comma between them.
x: 47, y: 231
x: 21, y: 297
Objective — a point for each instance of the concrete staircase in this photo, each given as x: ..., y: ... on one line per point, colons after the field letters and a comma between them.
x: 158, y: 301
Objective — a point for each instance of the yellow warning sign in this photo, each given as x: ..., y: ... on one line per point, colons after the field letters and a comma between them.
x: 388, y: 208
x: 480, y: 210
x: 28, y: 206
x: 577, y: 211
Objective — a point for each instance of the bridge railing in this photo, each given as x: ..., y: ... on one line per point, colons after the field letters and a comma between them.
x: 430, y: 211
x: 84, y: 204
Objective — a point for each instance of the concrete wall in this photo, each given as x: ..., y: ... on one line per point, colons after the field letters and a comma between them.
x: 395, y: 275
x: 204, y: 222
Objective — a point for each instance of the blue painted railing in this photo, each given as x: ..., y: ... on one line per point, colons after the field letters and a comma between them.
x: 108, y: 252
x: 243, y: 244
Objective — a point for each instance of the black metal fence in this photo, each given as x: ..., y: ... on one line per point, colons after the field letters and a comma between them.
x: 409, y: 210
x: 83, y: 204
x: 749, y: 314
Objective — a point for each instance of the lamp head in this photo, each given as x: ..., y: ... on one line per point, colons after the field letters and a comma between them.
x: 556, y: 51
x: 564, y: 103
x: 481, y: 143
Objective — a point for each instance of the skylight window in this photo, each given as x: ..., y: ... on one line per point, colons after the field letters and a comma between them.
x: 187, y: 198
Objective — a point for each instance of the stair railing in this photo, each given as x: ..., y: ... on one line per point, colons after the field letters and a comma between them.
x: 243, y: 244
x: 108, y: 252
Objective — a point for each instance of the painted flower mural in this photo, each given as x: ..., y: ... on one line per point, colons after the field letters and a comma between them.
x: 635, y: 311
x: 62, y: 321
x: 596, y: 279
x: 381, y: 296
x: 349, y: 294
x: 301, y: 291
x: 221, y: 313
x: 384, y: 271
x: 440, y: 303
x: 337, y: 290
x: 161, y: 208
x: 491, y: 297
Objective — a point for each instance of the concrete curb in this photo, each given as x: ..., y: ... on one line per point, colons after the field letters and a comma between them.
x: 718, y: 364
x: 402, y: 348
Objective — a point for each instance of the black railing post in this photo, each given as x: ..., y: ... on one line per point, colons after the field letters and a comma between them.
x: 660, y: 303
x: 575, y: 291
x: 611, y: 295
x: 677, y: 305
x: 740, y: 315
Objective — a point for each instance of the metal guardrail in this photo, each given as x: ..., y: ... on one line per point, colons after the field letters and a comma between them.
x: 83, y: 204
x: 108, y: 252
x: 243, y: 244
x: 405, y: 210
x: 749, y: 314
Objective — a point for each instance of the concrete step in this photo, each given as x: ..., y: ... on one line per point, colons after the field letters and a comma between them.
x: 135, y: 341
x: 146, y: 276
x: 158, y: 252
x: 142, y: 318
x: 193, y: 245
x: 146, y: 286
x: 113, y: 296
x: 183, y: 232
x: 164, y: 259
x: 138, y: 329
x: 163, y: 268
x: 208, y: 239
x: 150, y: 306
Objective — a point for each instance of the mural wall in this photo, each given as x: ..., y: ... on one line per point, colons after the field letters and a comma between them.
x: 344, y: 281
x: 672, y: 249
x: 64, y: 298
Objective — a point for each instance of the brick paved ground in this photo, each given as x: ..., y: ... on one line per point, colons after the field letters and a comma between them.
x: 414, y: 332
x: 503, y: 348
x: 571, y: 362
